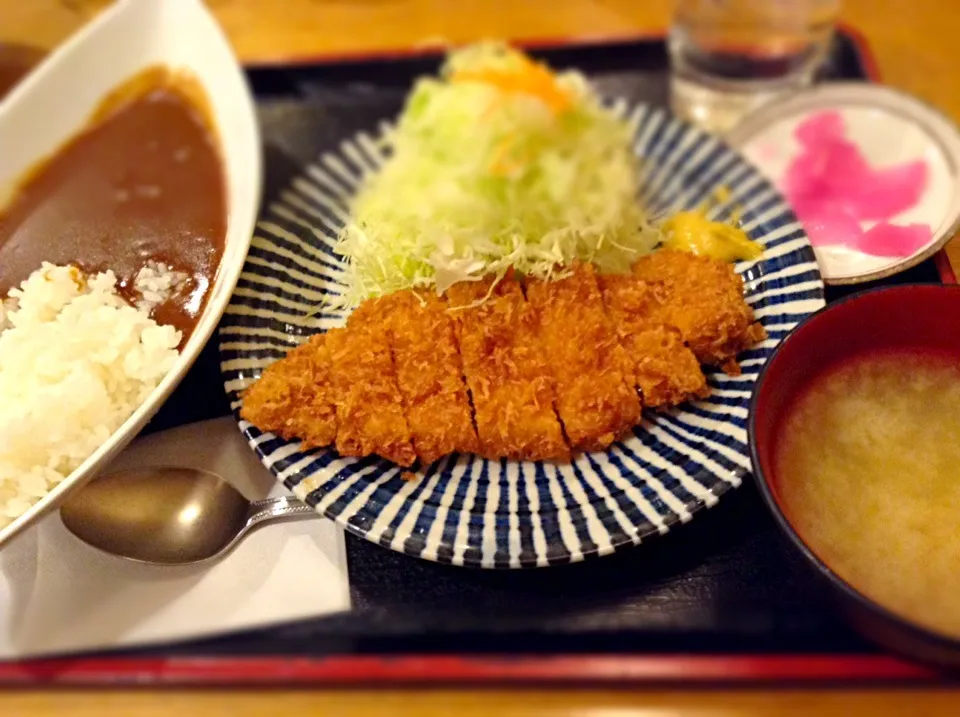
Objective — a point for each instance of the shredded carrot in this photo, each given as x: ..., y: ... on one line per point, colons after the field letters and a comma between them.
x: 504, y: 161
x: 500, y: 162
x: 492, y: 107
x: 530, y: 78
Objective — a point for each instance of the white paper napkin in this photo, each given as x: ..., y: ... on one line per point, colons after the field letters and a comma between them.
x: 59, y: 595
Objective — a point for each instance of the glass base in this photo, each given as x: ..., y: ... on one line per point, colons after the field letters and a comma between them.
x: 717, y: 109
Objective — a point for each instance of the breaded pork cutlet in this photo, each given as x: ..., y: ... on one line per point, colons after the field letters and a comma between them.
x: 665, y: 370
x: 293, y: 397
x: 506, y: 374
x: 703, y: 298
x: 370, y: 413
x: 401, y: 379
x: 593, y: 379
x: 422, y: 340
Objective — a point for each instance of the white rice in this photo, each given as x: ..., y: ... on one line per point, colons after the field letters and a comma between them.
x: 156, y: 282
x: 6, y: 306
x: 76, y: 360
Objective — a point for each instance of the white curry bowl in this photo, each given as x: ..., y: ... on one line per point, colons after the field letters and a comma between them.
x: 55, y: 102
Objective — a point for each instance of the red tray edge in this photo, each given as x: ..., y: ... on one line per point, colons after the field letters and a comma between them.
x: 458, y: 669
x: 461, y: 670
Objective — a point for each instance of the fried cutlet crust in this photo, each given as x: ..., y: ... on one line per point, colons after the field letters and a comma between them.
x: 703, y: 299
x: 370, y: 414
x: 293, y: 397
x: 488, y: 369
x: 429, y: 371
x: 665, y: 370
x: 592, y: 376
x: 507, y: 376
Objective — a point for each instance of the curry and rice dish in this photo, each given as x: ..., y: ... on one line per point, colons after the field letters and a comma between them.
x: 108, y: 251
x: 142, y: 187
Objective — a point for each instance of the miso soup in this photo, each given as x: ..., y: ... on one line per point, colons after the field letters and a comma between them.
x: 867, y: 467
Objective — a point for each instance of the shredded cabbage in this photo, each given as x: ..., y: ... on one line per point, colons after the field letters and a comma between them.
x: 496, y: 164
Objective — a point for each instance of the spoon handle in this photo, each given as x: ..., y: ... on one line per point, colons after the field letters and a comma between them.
x: 278, y: 509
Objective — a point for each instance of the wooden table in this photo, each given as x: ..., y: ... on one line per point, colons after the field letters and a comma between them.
x: 917, y: 45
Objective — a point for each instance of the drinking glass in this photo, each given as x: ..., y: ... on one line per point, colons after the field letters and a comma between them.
x: 730, y: 56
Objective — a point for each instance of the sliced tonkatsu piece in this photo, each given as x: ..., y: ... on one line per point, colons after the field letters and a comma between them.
x: 665, y: 370
x: 294, y: 397
x: 429, y: 371
x: 593, y: 378
x: 492, y: 370
x: 703, y: 299
x: 507, y: 376
x: 370, y: 413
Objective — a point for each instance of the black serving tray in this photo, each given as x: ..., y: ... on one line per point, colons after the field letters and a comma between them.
x: 722, y: 598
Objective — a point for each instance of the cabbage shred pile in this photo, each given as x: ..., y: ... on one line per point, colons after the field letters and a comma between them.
x: 498, y: 163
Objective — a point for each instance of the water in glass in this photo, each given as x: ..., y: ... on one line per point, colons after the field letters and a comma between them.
x: 730, y: 56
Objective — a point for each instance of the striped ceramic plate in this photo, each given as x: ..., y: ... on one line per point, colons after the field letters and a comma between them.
x: 466, y: 510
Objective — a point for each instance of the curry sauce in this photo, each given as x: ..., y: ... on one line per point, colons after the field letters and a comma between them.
x: 15, y: 62
x: 144, y: 182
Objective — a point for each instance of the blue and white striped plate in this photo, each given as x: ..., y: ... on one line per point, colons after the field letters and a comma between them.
x: 466, y: 510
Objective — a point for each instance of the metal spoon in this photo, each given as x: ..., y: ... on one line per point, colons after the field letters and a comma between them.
x: 169, y: 515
